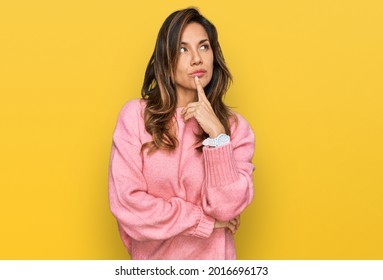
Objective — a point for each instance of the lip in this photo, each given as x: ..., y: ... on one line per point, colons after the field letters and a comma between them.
x: 198, y: 73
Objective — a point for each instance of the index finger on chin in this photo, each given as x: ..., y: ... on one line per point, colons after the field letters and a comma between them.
x: 200, y: 91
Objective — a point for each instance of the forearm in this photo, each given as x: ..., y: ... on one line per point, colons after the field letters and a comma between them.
x: 146, y: 217
x: 228, y: 187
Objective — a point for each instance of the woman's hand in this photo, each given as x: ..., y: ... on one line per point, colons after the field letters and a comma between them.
x: 203, y: 113
x: 231, y: 225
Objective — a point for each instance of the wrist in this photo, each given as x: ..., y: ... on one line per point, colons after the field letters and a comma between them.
x: 216, y: 132
x: 220, y: 140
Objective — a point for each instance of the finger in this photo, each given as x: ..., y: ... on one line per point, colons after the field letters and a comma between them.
x: 238, y: 222
x: 189, y: 113
x: 188, y: 116
x: 200, y: 91
x: 233, y: 222
x: 191, y: 105
x: 231, y: 227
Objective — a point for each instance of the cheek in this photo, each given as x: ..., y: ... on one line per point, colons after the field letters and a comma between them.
x: 210, y: 63
x: 181, y: 70
x: 211, y: 68
x: 206, y: 81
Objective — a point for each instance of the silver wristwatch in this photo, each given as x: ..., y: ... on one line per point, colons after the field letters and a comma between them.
x: 220, y: 140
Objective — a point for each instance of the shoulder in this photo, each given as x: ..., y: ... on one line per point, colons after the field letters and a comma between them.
x: 133, y: 108
x: 239, y: 126
x: 131, y: 117
x: 132, y: 112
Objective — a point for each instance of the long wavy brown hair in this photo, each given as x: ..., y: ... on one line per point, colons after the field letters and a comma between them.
x: 159, y: 90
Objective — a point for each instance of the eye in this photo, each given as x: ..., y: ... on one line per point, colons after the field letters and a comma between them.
x: 205, y: 47
x: 182, y: 49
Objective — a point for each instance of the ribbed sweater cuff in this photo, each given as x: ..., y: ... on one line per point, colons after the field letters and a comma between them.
x: 205, y: 225
x: 220, y: 167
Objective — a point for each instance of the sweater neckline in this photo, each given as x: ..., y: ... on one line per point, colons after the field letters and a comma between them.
x: 178, y: 113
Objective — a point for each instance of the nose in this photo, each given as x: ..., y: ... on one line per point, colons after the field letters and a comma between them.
x: 196, y: 58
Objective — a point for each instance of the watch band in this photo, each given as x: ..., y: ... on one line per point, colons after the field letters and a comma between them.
x: 220, y: 140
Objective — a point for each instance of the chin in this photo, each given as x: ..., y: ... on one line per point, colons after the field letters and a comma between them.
x: 205, y: 81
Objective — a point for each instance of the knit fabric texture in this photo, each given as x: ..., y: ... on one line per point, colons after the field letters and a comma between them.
x: 166, y: 203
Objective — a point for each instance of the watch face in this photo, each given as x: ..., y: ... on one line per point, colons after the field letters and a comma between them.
x: 222, y: 139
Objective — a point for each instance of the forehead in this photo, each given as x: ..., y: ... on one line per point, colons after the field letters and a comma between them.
x: 193, y: 33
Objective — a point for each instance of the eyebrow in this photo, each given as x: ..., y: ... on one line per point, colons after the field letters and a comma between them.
x: 200, y: 42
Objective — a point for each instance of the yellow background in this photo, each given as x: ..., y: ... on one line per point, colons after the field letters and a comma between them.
x: 307, y: 76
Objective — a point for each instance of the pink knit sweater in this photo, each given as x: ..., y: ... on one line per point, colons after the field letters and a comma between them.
x: 166, y: 203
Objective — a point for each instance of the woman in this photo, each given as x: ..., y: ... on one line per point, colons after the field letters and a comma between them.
x: 180, y: 170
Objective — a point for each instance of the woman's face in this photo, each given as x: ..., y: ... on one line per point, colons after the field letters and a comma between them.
x: 195, y: 59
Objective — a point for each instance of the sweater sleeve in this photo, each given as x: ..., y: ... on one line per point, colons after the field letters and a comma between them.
x: 139, y: 214
x: 228, y: 187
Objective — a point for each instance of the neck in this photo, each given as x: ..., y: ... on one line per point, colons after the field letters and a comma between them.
x: 184, y: 97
